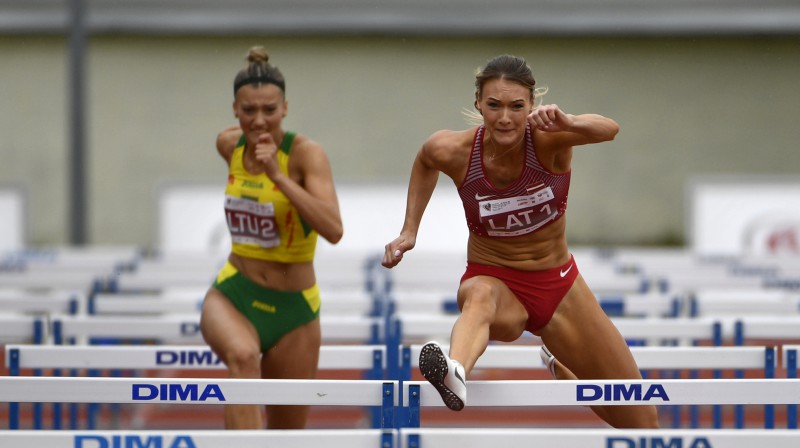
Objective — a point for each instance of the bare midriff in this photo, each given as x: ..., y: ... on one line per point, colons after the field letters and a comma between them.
x: 276, y: 275
x: 542, y: 249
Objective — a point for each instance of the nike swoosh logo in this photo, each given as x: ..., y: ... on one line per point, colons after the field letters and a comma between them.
x: 480, y: 198
x: 564, y: 273
x: 455, y: 372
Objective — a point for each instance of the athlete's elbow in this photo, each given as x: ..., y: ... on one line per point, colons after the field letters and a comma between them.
x: 612, y: 130
x: 333, y: 236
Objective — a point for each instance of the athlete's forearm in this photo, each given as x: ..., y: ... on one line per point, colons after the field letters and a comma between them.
x: 420, y: 188
x: 595, y: 128
x: 321, y: 213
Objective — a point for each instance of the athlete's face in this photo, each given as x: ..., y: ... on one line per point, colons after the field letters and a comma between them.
x: 505, y: 106
x: 260, y: 109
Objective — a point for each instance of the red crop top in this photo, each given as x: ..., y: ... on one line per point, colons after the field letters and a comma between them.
x: 537, y: 197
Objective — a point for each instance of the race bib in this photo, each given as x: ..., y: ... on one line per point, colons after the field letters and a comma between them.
x: 519, y: 215
x: 251, y: 222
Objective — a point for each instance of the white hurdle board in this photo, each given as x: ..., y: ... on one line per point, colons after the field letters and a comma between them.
x: 770, y: 327
x: 190, y: 300
x: 599, y: 438
x: 419, y: 327
x: 186, y: 328
x: 344, y: 438
x: 51, y: 302
x: 409, y: 438
x: 195, y: 391
x: 616, y: 392
x: 655, y: 357
x: 18, y: 328
x: 151, y: 357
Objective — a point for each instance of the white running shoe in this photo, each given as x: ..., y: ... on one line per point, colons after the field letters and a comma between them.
x: 445, y: 374
x: 549, y: 360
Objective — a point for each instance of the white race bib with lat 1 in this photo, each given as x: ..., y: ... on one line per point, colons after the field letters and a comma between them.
x: 519, y: 215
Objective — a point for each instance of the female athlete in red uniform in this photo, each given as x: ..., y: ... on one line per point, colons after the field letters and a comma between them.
x: 513, y: 174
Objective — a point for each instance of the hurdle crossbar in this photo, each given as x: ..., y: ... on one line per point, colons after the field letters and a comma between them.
x: 766, y: 327
x: 615, y: 392
x: 21, y: 328
x: 415, y: 326
x: 184, y: 357
x: 350, y: 438
x: 57, y: 302
x: 370, y: 359
x: 186, y: 328
x: 353, y: 302
x: 408, y: 438
x: 198, y: 391
x: 647, y: 357
x: 144, y: 304
x: 607, y: 393
x: 609, y: 438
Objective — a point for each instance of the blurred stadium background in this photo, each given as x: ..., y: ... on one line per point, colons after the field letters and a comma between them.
x: 700, y: 88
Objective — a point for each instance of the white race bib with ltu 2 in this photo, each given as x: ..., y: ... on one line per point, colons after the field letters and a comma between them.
x: 251, y: 222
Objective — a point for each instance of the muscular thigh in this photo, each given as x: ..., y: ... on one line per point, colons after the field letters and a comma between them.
x: 495, y: 302
x: 224, y: 328
x: 584, y: 339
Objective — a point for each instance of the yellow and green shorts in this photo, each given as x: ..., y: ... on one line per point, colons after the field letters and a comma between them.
x: 274, y: 313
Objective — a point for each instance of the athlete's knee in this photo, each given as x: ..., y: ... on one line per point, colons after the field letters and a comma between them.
x: 243, y: 361
x: 479, y: 297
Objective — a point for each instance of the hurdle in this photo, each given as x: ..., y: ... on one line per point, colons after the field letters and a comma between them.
x: 41, y: 303
x: 410, y: 328
x: 649, y: 304
x: 368, y: 358
x: 669, y: 358
x: 185, y: 328
x: 656, y: 357
x: 138, y: 304
x: 743, y: 302
x: 404, y: 328
x: 779, y: 328
x: 135, y: 281
x: 190, y: 300
x: 608, y: 438
x: 21, y: 328
x: 350, y: 438
x: 351, y: 271
x: 57, y: 280
x: 372, y: 393
x: 607, y: 393
x: 408, y: 438
x: 69, y: 257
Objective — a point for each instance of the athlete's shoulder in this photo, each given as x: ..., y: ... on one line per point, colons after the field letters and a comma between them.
x: 447, y: 150
x: 448, y: 140
x: 303, y: 146
x: 227, y: 139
